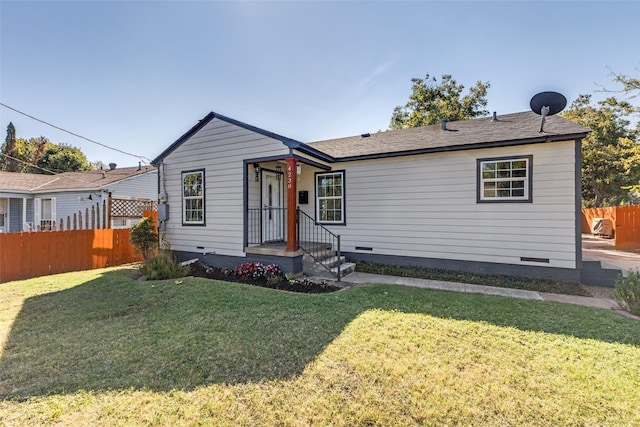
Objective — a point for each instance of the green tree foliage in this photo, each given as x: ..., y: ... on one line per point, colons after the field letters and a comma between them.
x: 431, y: 101
x: 37, y: 155
x: 8, y: 160
x: 63, y: 158
x: 610, y: 153
x: 144, y: 237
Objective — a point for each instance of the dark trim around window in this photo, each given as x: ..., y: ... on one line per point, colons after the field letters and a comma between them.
x: 528, y: 197
x: 182, y: 199
x: 343, y: 199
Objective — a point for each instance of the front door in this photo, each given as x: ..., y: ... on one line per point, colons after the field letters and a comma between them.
x: 272, y: 207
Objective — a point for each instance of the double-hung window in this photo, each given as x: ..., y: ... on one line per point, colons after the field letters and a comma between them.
x: 193, y: 197
x: 45, y: 213
x: 505, y: 179
x: 330, y: 198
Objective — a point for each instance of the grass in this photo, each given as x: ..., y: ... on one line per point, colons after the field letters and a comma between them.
x: 500, y: 281
x: 98, y: 348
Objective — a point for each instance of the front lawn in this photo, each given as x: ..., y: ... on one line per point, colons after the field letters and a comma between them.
x: 98, y: 348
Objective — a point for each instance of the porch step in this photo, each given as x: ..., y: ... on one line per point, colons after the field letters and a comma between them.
x: 345, y: 268
x: 593, y: 274
x: 327, y: 266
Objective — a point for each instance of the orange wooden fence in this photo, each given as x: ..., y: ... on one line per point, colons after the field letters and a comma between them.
x: 24, y: 255
x: 625, y: 221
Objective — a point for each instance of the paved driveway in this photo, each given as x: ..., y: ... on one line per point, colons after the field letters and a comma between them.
x: 603, y: 250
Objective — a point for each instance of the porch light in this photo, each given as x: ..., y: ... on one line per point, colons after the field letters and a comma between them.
x: 299, y: 168
x: 256, y: 168
x: 278, y: 172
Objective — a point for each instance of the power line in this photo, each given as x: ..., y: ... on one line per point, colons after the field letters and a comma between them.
x: 143, y: 158
x: 28, y: 164
x: 68, y: 174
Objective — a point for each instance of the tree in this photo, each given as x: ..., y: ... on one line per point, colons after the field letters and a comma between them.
x: 7, y: 160
x: 144, y: 237
x: 630, y: 85
x: 63, y: 158
x: 610, y: 153
x: 37, y: 155
x: 431, y: 102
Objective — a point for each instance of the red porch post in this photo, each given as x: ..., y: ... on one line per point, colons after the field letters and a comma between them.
x: 292, y: 198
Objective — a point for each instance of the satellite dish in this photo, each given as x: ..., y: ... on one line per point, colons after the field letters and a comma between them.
x: 547, y: 104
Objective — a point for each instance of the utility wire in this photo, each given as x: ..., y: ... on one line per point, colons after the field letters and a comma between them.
x: 144, y: 159
x: 29, y: 164
x: 67, y: 174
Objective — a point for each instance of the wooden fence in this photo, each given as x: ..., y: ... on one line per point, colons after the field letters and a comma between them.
x: 625, y: 221
x: 24, y: 255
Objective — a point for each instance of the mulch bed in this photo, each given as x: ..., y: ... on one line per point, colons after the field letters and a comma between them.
x: 197, y: 269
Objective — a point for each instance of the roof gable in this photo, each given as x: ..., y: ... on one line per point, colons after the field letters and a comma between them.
x: 289, y: 142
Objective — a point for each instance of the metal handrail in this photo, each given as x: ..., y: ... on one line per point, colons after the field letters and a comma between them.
x: 256, y: 231
x: 313, y: 239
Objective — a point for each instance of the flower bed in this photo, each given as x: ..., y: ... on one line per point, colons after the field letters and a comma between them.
x: 266, y: 276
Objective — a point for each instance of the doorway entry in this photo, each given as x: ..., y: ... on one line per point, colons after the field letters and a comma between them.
x: 273, y: 211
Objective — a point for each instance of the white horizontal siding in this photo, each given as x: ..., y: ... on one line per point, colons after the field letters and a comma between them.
x: 144, y: 186
x: 220, y: 148
x: 425, y: 206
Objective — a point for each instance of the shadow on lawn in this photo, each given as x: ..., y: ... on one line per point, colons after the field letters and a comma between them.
x: 116, y: 333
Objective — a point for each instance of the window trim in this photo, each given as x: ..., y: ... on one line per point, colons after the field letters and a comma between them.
x: 183, y: 198
x: 317, y: 199
x: 528, y: 198
x: 38, y: 208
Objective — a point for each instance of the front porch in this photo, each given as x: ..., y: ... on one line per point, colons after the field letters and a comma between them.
x: 279, y: 214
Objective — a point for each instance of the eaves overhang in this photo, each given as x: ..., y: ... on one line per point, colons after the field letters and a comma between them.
x: 292, y: 144
x: 463, y: 147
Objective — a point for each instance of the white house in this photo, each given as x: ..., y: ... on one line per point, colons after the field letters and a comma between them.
x: 29, y: 201
x: 492, y: 195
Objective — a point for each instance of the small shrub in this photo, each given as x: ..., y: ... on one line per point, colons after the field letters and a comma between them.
x: 627, y: 292
x: 255, y: 270
x: 273, y: 271
x: 161, y: 267
x: 274, y: 280
x: 249, y: 270
x: 144, y: 237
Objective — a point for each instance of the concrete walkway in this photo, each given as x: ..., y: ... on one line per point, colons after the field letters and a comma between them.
x: 600, y: 249
x: 606, y: 303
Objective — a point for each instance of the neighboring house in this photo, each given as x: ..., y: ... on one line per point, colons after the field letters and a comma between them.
x: 491, y: 195
x: 29, y: 201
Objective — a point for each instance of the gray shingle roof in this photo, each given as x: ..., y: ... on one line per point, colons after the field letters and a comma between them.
x: 86, y: 180
x: 510, y: 129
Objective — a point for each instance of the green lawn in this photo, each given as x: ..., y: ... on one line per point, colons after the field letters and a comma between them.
x: 98, y: 348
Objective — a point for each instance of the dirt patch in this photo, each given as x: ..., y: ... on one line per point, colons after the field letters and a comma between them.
x: 302, y: 285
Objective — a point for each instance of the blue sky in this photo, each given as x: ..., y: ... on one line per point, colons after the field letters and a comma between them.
x: 136, y: 75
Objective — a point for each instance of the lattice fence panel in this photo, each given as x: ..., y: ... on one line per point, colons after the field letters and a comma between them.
x: 124, y: 208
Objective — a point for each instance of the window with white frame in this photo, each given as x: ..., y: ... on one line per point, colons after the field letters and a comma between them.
x: 45, y: 213
x: 505, y: 179
x: 330, y: 198
x: 193, y: 197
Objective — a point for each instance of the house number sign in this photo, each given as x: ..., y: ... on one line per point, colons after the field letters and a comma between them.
x: 289, y: 176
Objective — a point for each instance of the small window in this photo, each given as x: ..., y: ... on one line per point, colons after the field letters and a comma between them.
x: 45, y: 213
x: 193, y: 197
x: 119, y: 223
x: 505, y: 179
x: 330, y: 198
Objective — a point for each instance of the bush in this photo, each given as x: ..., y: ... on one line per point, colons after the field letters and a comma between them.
x: 627, y: 292
x: 144, y: 237
x: 162, y: 266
